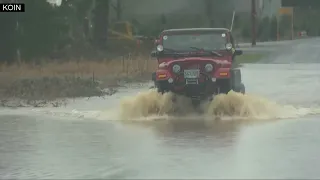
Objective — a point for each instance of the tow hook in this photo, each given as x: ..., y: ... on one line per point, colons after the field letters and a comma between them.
x: 218, y: 90
x: 195, y: 97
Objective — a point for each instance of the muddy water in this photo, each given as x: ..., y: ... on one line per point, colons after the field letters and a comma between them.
x: 272, y: 132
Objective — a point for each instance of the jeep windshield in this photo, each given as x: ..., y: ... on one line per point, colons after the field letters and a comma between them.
x: 194, y: 42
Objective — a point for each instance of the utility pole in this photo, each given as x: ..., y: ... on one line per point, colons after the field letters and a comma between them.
x: 119, y: 10
x: 253, y: 22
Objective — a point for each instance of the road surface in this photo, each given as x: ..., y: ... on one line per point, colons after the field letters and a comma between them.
x: 275, y: 134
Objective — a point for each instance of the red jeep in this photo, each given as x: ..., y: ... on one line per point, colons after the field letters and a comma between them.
x: 197, y: 63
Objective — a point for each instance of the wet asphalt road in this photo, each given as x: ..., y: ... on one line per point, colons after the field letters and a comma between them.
x: 79, y: 142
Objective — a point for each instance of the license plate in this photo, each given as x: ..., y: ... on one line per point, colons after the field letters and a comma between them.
x: 191, y: 73
x: 192, y: 81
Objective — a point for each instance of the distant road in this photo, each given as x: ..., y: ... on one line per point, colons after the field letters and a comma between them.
x: 271, y: 46
x: 269, y: 43
x: 294, y: 51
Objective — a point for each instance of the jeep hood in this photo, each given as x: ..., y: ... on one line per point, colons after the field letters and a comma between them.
x: 221, y: 61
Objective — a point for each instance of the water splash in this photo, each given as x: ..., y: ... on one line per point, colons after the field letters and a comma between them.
x: 224, y: 106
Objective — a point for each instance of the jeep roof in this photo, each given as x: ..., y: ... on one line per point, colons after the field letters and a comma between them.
x: 191, y: 30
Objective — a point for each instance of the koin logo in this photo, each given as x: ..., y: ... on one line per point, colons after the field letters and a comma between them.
x: 17, y: 7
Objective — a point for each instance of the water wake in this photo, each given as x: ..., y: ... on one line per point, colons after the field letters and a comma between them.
x: 151, y: 105
x: 224, y: 106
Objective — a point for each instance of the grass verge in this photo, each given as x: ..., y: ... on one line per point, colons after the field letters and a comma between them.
x: 39, y: 84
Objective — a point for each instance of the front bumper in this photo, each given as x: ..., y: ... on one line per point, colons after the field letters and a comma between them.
x: 198, y: 88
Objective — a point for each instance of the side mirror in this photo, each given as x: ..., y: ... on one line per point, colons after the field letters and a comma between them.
x: 154, y: 54
x: 238, y: 52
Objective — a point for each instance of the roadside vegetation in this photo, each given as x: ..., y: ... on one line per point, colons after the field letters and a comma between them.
x: 50, y: 83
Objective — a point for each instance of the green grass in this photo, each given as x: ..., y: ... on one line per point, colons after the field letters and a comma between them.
x: 249, y: 58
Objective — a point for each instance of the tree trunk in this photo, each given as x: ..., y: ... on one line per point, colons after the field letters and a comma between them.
x: 209, y: 13
x: 101, y: 21
x: 119, y: 10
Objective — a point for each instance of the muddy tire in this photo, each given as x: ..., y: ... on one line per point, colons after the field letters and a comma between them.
x: 196, y: 103
x: 242, y: 88
x: 225, y: 86
x: 160, y: 88
x: 153, y: 76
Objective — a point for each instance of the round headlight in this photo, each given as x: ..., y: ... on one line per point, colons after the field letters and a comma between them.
x: 176, y: 68
x: 208, y: 67
x: 162, y: 65
x: 160, y: 48
x: 228, y: 46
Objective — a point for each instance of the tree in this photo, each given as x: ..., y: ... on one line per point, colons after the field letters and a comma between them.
x: 45, y: 29
x: 100, y: 23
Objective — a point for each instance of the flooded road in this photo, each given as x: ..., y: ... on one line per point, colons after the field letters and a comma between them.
x: 277, y: 137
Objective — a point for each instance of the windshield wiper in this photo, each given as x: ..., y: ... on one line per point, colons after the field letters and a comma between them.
x: 196, y: 48
x: 169, y: 49
x: 212, y: 52
x: 216, y: 53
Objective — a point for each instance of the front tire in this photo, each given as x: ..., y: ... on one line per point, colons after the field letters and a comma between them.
x: 242, y: 88
x: 225, y: 86
x: 196, y: 103
x: 159, y: 88
x: 162, y: 86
